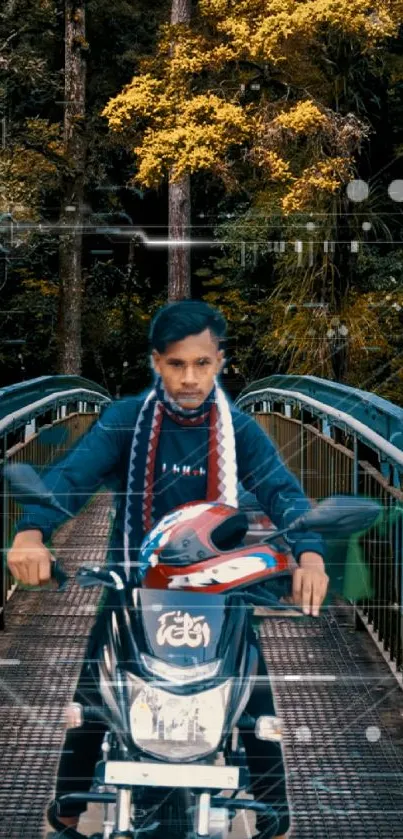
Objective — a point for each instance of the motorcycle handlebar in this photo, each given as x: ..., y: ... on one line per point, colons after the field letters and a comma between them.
x: 58, y: 574
x: 92, y: 713
x: 258, y: 598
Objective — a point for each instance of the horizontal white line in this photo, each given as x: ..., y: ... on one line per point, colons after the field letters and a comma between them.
x: 305, y: 678
x: 290, y: 678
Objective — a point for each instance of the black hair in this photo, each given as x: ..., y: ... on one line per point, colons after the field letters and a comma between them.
x: 178, y: 320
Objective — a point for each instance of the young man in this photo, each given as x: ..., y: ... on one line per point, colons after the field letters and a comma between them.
x: 181, y: 441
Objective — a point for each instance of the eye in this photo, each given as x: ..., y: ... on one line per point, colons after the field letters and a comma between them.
x: 175, y: 363
x: 203, y: 362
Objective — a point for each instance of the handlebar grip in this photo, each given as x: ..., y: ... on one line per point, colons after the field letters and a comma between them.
x: 58, y: 574
x: 93, y: 714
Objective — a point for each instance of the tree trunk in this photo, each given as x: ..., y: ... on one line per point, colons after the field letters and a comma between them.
x: 179, y: 204
x: 70, y: 248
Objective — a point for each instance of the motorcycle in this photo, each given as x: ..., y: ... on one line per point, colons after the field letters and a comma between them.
x: 175, y: 666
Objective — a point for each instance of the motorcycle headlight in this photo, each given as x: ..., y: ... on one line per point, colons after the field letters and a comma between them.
x: 177, y: 727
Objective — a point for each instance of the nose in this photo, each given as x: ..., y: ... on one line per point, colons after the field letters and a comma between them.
x: 188, y: 376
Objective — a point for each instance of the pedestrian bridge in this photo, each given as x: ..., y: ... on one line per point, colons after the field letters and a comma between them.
x: 337, y: 680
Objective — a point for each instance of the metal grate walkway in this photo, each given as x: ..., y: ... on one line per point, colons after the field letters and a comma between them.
x: 41, y: 654
x: 342, y: 707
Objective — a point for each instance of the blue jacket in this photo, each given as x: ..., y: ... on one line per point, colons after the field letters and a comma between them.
x: 101, y: 458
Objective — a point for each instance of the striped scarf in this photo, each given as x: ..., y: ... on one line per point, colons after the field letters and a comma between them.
x: 222, y: 481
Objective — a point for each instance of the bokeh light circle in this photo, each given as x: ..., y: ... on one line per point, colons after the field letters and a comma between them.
x: 395, y: 190
x: 303, y: 734
x: 357, y: 191
x: 373, y: 733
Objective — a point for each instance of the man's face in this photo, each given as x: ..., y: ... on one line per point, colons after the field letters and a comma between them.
x: 187, y: 368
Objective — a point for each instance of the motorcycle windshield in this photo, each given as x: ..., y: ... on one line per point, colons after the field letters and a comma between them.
x: 184, y: 627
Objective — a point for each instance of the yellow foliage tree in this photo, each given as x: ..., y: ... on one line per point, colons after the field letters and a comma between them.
x: 252, y: 95
x: 217, y: 56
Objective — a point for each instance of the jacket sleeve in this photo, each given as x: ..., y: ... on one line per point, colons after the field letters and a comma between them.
x: 263, y: 472
x: 96, y: 457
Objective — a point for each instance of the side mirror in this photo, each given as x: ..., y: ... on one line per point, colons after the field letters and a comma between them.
x: 89, y: 576
x: 28, y: 488
x: 341, y: 514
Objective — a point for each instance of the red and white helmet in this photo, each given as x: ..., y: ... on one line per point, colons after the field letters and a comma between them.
x: 195, y: 531
x: 201, y: 545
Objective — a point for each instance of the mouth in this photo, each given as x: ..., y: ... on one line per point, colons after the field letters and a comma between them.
x: 190, y: 396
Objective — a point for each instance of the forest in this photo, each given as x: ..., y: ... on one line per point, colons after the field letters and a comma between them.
x: 265, y: 134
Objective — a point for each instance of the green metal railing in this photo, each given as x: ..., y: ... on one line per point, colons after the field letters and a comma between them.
x: 371, y: 410
x: 338, y: 439
x: 40, y: 421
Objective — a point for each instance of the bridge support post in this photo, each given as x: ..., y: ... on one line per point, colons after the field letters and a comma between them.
x: 303, y: 450
x: 30, y: 429
x: 326, y: 428
x: 355, y: 466
x: 4, y: 536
